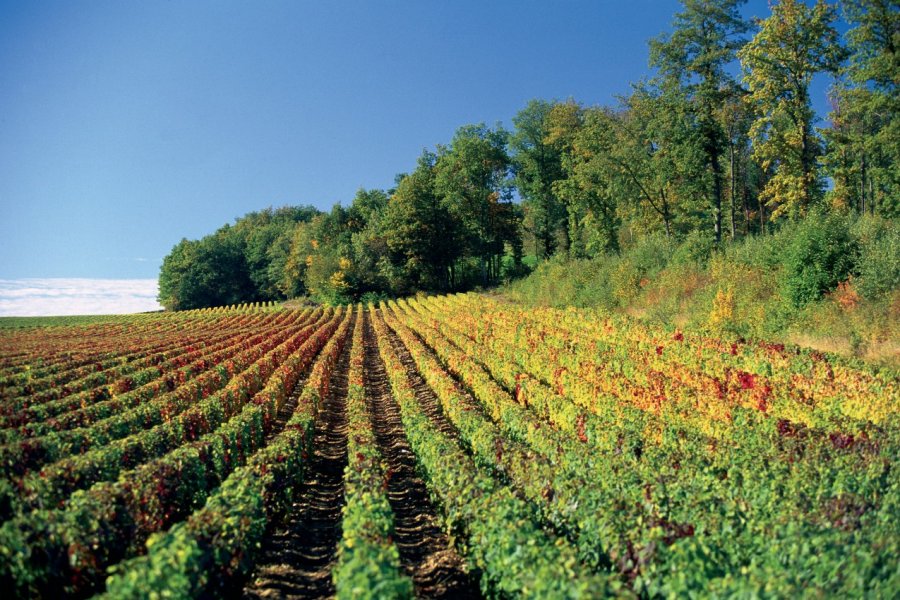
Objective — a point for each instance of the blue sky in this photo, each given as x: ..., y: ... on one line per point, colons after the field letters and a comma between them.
x: 126, y: 126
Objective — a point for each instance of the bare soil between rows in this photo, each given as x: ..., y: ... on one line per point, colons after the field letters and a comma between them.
x: 297, y: 558
x: 425, y: 551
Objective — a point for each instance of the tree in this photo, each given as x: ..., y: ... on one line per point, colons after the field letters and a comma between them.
x: 791, y: 46
x: 368, y: 250
x: 422, y: 235
x: 266, y: 237
x: 292, y: 283
x: 736, y: 117
x: 537, y: 164
x: 172, y: 274
x: 707, y: 35
x: 863, y: 155
x: 208, y: 272
x: 590, y: 188
x: 564, y: 121
x: 471, y: 177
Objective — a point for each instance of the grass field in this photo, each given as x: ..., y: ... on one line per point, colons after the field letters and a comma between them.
x: 452, y: 446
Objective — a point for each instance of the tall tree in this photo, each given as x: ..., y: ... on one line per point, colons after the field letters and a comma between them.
x: 658, y: 152
x: 537, y: 164
x: 421, y: 233
x: 472, y: 178
x: 736, y: 117
x: 368, y: 252
x: 266, y: 238
x: 564, y: 121
x: 293, y: 277
x: 173, y: 275
x: 208, y: 272
x: 592, y: 187
x: 864, y: 141
x: 707, y: 34
x: 792, y: 45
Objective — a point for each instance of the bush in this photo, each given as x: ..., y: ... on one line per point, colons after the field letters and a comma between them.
x: 832, y: 281
x: 879, y: 256
x: 373, y: 297
x: 821, y: 254
x: 760, y: 251
x: 642, y: 262
x: 696, y: 248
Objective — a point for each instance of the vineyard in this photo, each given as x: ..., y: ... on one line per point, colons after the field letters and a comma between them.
x: 453, y: 446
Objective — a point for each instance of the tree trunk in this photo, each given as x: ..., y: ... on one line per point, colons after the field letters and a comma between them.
x: 871, y: 196
x: 665, y: 213
x: 733, y: 194
x: 717, y: 190
x: 862, y: 186
x: 762, y: 215
x: 805, y: 166
x: 745, y: 196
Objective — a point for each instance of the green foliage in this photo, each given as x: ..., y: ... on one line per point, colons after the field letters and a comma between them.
x: 590, y: 186
x: 368, y: 564
x: 326, y: 276
x: 471, y: 178
x: 236, y: 264
x: 863, y: 147
x: 514, y: 555
x: 452, y: 210
x: 185, y: 458
x: 778, y: 286
x: 791, y: 46
x: 878, y: 268
x: 661, y: 151
x: 820, y: 255
x: 217, y: 544
x: 697, y: 247
x: 732, y: 535
x: 706, y: 38
x: 422, y: 237
x: 537, y: 164
x: 267, y: 237
x: 690, y: 155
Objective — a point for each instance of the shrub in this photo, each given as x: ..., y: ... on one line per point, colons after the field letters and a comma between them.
x: 373, y: 297
x: 642, y: 262
x: 761, y: 251
x: 721, y: 316
x: 879, y: 256
x: 821, y: 254
x: 696, y: 248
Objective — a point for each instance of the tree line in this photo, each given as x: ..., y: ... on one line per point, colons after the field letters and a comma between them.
x: 721, y: 143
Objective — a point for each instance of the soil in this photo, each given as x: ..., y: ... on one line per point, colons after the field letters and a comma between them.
x: 297, y: 557
x: 425, y: 551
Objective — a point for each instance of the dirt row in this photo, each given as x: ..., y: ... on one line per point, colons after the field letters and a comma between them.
x: 299, y: 553
x: 297, y: 557
x: 425, y: 552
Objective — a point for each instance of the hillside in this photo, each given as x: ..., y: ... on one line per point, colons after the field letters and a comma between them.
x: 453, y: 445
x: 830, y: 283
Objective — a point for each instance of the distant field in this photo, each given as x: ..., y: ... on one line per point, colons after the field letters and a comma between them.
x: 16, y: 322
x: 457, y: 445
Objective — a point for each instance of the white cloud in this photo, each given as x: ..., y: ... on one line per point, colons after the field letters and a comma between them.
x: 46, y: 297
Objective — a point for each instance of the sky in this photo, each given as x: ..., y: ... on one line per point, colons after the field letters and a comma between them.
x: 125, y: 126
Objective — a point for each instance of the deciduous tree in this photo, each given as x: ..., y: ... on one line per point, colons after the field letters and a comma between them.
x: 793, y: 44
x: 707, y: 34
